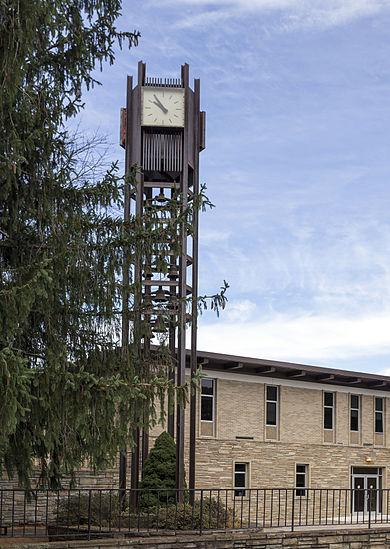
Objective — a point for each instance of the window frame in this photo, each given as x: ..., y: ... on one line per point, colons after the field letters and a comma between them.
x: 327, y: 406
x: 302, y: 491
x: 382, y: 414
x: 246, y: 474
x: 358, y: 409
x: 211, y: 397
x: 275, y: 402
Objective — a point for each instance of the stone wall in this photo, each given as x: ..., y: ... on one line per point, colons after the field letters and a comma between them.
x: 376, y: 538
x: 240, y: 412
x: 240, y: 435
x: 272, y: 464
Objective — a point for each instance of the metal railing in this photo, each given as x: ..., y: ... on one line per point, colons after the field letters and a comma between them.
x: 96, y: 513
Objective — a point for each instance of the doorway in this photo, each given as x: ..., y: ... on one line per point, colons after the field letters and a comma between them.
x: 366, y: 483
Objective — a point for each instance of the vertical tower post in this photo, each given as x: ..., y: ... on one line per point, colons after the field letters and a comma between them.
x: 125, y: 281
x: 194, y: 312
x: 181, y: 343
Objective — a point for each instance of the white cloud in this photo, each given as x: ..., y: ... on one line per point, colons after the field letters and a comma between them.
x: 240, y: 310
x: 324, y: 267
x: 212, y: 236
x: 384, y: 372
x: 310, y: 339
x: 294, y: 13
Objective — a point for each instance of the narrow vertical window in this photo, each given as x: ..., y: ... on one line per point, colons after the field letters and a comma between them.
x: 301, y: 479
x: 271, y: 405
x: 207, y: 399
x: 379, y: 408
x: 240, y: 479
x: 328, y: 410
x: 355, y: 413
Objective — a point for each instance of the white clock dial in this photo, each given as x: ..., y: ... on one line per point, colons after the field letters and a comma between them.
x: 163, y: 107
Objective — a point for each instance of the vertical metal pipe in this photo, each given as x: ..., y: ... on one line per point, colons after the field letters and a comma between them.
x: 136, y: 159
x: 126, y: 273
x: 194, y: 302
x: 180, y: 379
x: 172, y: 342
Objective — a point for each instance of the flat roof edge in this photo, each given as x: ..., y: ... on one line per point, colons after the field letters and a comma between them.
x: 291, y: 370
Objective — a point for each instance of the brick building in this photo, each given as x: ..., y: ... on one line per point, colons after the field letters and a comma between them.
x: 269, y: 424
x: 275, y: 424
x: 266, y: 424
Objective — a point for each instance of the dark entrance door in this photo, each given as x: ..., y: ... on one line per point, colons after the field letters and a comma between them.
x: 365, y: 492
x: 358, y: 495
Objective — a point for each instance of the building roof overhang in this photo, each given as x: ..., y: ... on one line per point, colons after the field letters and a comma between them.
x: 290, y: 370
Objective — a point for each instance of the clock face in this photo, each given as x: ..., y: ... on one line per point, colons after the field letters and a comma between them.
x: 163, y: 107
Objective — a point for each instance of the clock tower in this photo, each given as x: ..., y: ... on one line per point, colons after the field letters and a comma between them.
x: 163, y: 132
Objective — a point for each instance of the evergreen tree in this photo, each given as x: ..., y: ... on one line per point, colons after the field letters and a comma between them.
x: 159, y: 473
x: 67, y: 389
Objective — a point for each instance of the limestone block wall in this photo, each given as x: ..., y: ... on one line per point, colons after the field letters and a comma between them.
x: 240, y: 435
x: 240, y: 411
x: 240, y: 415
x: 272, y: 465
x: 351, y: 538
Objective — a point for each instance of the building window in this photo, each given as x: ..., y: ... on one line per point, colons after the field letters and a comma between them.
x: 329, y: 410
x: 240, y: 479
x: 379, y: 401
x: 355, y: 412
x: 301, y: 479
x: 271, y: 405
x: 207, y: 399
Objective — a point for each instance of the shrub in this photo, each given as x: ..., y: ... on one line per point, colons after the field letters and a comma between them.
x: 94, y: 508
x: 104, y: 508
x: 159, y: 473
x: 208, y: 515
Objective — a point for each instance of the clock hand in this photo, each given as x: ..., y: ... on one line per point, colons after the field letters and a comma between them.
x: 159, y: 104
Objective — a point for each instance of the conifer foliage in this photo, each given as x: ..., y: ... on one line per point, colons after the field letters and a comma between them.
x: 65, y: 388
x: 159, y: 473
x: 69, y: 393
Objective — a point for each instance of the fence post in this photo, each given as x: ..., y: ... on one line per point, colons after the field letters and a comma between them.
x: 201, y: 513
x: 89, y: 515
x: 292, y: 510
x: 369, y: 506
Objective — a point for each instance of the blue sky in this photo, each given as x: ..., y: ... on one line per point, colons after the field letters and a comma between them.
x: 297, y: 94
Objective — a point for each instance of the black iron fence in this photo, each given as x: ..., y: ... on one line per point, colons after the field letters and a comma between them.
x: 86, y: 514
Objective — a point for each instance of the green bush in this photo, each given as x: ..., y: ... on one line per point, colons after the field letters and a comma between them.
x: 211, y: 514
x: 96, y: 509
x: 105, y: 511
x: 159, y: 473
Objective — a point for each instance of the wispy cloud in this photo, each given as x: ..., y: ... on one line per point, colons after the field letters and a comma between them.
x: 296, y: 163
x: 313, y: 339
x: 292, y: 13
